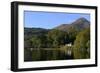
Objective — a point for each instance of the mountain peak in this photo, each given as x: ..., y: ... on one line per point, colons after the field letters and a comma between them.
x: 82, y: 19
x: 79, y: 24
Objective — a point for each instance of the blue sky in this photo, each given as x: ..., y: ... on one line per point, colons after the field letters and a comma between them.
x: 50, y: 20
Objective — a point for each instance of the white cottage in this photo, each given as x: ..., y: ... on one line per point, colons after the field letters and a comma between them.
x: 68, y: 44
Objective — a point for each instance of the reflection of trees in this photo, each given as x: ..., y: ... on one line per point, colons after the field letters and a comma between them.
x: 45, y: 55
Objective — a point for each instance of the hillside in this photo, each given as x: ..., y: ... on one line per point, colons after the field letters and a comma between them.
x: 78, y: 24
x: 29, y: 32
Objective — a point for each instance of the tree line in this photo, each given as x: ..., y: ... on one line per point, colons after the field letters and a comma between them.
x: 54, y: 38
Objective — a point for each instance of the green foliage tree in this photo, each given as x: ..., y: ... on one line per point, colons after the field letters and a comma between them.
x: 81, y: 44
x: 39, y: 41
x: 57, y: 37
x: 27, y: 43
x: 36, y: 42
x: 88, y: 48
x: 72, y: 32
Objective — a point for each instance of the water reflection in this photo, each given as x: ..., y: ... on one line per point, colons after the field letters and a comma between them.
x: 46, y: 54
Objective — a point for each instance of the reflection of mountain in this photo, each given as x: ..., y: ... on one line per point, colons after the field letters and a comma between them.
x: 79, y: 24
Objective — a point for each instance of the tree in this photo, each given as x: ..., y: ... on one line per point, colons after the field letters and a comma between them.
x: 56, y: 38
x: 72, y: 32
x: 88, y: 48
x: 36, y: 42
x: 39, y: 41
x: 81, y: 44
x: 27, y: 43
x: 43, y: 40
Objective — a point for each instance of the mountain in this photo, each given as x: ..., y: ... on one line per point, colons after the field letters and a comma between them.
x: 79, y: 24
